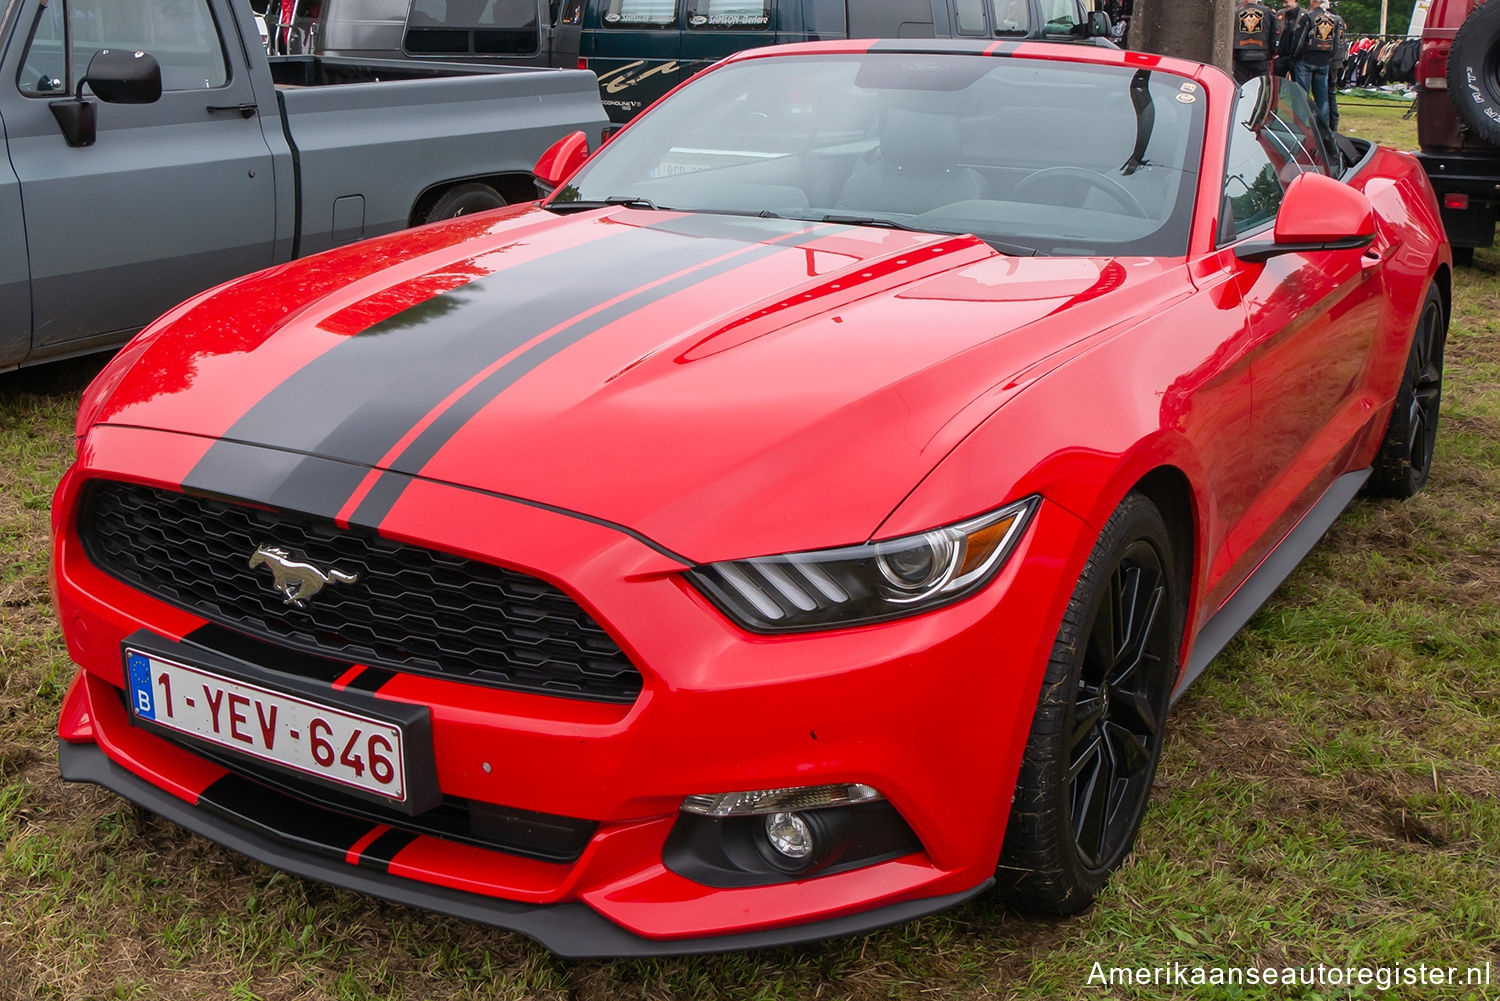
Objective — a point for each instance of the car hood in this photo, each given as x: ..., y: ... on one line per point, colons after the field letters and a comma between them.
x: 725, y: 386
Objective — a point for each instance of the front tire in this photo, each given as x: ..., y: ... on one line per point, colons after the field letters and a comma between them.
x: 1405, y: 456
x: 1096, y: 737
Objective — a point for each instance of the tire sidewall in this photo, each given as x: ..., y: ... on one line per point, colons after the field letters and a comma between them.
x: 1140, y: 521
x: 1472, y: 80
x: 1040, y: 868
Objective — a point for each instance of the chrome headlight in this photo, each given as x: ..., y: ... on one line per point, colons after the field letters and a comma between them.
x: 830, y: 588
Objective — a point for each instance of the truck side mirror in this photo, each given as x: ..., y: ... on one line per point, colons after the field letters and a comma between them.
x: 119, y: 76
x: 561, y: 161
x: 116, y: 76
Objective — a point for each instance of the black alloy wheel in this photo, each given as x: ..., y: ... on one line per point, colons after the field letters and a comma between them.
x: 1118, y: 709
x: 1097, y: 734
x: 1405, y: 457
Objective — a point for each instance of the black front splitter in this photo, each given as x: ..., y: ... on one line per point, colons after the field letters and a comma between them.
x: 571, y: 930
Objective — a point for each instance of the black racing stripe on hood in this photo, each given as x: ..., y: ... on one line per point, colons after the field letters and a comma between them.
x: 325, y: 403
x: 284, y: 481
x: 384, y: 493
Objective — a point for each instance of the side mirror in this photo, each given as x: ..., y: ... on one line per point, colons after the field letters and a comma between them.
x: 1099, y: 25
x: 1317, y: 213
x: 119, y: 76
x: 116, y: 76
x: 561, y: 161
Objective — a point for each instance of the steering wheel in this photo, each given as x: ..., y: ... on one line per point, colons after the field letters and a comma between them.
x: 1107, y: 186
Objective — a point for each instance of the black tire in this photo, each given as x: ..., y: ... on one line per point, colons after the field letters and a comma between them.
x: 1100, y: 716
x: 463, y: 199
x: 1463, y: 257
x: 1474, y: 72
x: 1405, y: 456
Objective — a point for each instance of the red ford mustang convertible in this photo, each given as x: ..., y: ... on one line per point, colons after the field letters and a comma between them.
x: 799, y: 522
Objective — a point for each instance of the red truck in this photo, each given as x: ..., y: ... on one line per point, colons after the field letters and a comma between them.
x: 1458, y: 118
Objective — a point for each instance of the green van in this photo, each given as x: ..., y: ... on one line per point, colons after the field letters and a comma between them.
x: 640, y: 49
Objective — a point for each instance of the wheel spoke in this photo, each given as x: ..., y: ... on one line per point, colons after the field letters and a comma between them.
x: 1090, y: 754
x: 1137, y: 707
x: 1125, y: 750
x: 1099, y: 654
x: 1087, y: 712
x: 1143, y: 620
x: 1090, y: 823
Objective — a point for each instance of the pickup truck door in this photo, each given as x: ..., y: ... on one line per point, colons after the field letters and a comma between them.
x: 172, y: 197
x: 15, y: 278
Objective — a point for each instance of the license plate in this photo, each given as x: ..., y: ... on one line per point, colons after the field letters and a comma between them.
x: 317, y: 740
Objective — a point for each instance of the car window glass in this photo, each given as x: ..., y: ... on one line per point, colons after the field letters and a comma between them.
x: 1254, y: 178
x: 1012, y: 17
x: 44, y: 65
x: 180, y: 34
x: 1059, y: 17
x: 929, y: 143
x: 463, y: 26
x: 888, y: 19
x: 971, y: 17
x: 640, y: 14
x: 1294, y: 123
x: 729, y: 15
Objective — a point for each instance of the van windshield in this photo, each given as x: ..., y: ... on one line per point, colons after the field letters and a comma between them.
x: 1046, y: 156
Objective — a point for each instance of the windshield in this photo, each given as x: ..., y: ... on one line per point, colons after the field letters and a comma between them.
x: 1032, y: 155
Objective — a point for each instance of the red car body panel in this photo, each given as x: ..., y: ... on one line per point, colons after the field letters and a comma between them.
x: 604, y: 399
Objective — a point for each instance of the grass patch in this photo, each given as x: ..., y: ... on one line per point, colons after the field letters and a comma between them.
x: 1330, y: 791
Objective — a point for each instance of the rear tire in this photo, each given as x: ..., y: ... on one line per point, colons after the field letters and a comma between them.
x: 1097, y: 733
x: 1405, y: 456
x: 1463, y: 257
x: 463, y: 199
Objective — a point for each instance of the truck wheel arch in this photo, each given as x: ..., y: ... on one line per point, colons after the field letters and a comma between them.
x: 460, y: 196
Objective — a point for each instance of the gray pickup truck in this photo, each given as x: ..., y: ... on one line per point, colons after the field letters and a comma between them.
x: 154, y: 151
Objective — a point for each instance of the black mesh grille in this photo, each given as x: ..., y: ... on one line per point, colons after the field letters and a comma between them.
x: 411, y: 609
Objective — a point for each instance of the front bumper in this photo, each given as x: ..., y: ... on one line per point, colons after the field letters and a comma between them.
x: 933, y: 711
x: 571, y: 930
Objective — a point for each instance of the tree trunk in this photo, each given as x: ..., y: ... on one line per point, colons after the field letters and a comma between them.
x: 1199, y: 30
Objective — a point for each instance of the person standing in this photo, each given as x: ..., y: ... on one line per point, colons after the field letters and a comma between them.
x: 1254, y: 40
x: 1336, y: 68
x: 1288, y: 19
x: 1318, y: 38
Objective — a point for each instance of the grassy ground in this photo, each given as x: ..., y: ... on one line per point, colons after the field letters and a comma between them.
x: 1330, y: 792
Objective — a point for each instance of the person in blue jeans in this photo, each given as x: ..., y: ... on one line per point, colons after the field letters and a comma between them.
x: 1318, y: 39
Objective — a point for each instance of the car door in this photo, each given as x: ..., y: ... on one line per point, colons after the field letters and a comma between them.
x: 15, y: 275
x: 1314, y: 313
x: 633, y: 46
x: 171, y: 197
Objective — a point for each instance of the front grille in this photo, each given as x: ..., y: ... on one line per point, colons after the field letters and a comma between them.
x: 411, y: 609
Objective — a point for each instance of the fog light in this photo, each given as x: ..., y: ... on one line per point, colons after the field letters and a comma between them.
x: 789, y: 835
x: 1456, y: 200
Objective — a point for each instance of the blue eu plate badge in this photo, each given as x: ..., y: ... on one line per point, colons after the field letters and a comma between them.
x: 138, y: 670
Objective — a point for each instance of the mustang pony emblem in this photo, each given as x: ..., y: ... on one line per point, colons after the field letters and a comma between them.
x: 297, y: 582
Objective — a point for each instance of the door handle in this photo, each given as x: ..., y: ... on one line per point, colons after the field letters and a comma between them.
x: 245, y: 110
x: 1370, y: 259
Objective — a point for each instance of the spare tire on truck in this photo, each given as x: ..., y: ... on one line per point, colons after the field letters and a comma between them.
x: 1474, y: 72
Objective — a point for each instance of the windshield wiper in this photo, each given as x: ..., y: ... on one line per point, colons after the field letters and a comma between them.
x: 1009, y: 249
x: 628, y: 201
